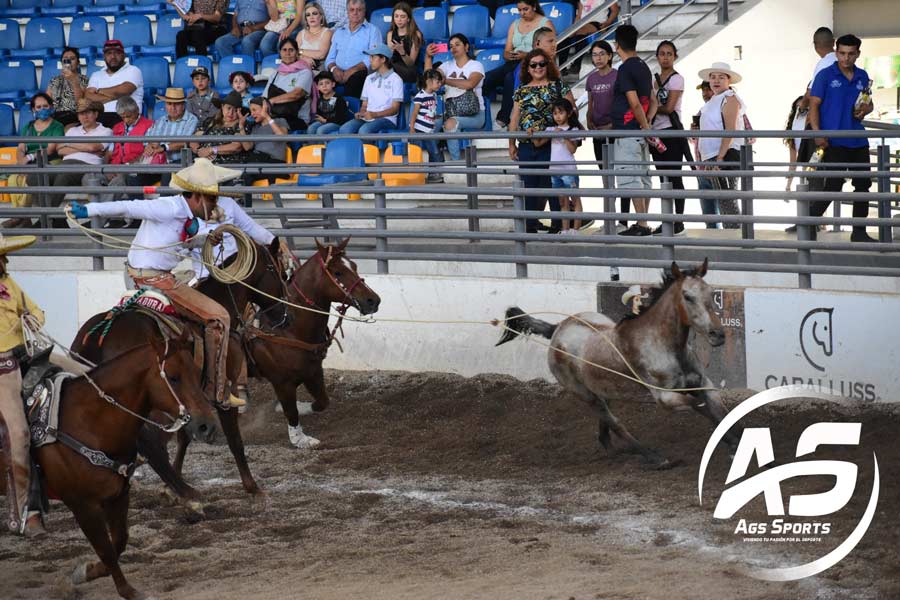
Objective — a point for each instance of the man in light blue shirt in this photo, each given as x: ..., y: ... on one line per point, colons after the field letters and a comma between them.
x: 176, y: 122
x: 346, y: 59
x: 247, y: 27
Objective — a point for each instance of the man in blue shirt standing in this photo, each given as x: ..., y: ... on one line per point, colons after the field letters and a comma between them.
x: 347, y: 59
x: 833, y: 105
x: 247, y: 27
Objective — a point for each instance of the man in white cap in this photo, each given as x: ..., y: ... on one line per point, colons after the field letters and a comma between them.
x: 167, y: 223
x: 14, y: 303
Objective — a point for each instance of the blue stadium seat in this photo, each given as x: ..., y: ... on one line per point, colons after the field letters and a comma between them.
x: 24, y: 8
x: 503, y: 18
x: 155, y: 70
x: 88, y: 34
x: 353, y: 104
x: 491, y: 58
x: 381, y: 19
x: 339, y: 154
x: 51, y: 69
x: 269, y: 62
x: 9, y: 36
x: 472, y: 21
x: 133, y: 31
x: 94, y: 65
x: 167, y: 27
x: 183, y: 68
x: 432, y: 22
x: 441, y: 57
x: 230, y: 64
x: 43, y: 36
x: 159, y: 111
x: 146, y: 7
x: 7, y: 120
x: 18, y: 79
x: 106, y: 8
x: 560, y: 14
x: 65, y: 8
x: 25, y: 114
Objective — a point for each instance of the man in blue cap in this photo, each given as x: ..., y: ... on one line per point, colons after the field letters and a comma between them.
x: 382, y: 94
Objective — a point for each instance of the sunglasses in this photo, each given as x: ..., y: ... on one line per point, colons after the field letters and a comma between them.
x: 538, y: 65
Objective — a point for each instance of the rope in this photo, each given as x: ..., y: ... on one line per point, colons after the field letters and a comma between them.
x: 243, y: 264
x: 241, y: 238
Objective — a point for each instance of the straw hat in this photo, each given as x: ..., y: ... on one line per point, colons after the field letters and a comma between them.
x: 202, y: 177
x: 631, y: 292
x: 173, y: 94
x: 11, y: 243
x: 720, y: 67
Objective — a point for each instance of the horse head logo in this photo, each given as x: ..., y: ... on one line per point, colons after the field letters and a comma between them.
x: 719, y: 299
x: 816, y: 330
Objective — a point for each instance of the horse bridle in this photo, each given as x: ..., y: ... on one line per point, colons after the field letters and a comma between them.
x: 184, y: 416
x: 349, y: 300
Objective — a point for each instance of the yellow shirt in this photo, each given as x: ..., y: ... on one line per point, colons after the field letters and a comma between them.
x: 13, y: 303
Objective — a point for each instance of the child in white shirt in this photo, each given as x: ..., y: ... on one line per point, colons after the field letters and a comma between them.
x: 562, y: 151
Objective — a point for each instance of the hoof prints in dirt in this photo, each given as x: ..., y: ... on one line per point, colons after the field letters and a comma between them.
x: 433, y: 485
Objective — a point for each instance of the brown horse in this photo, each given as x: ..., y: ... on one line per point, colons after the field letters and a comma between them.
x: 651, y: 348
x: 158, y: 376
x: 264, y: 283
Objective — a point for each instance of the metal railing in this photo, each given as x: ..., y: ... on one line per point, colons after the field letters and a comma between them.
x: 472, y: 232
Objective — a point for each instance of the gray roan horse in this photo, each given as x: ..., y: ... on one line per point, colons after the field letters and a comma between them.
x: 655, y: 346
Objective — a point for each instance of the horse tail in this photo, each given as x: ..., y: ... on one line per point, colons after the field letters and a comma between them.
x: 517, y: 322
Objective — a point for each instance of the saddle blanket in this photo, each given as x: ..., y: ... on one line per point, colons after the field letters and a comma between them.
x: 42, y: 409
x: 150, y: 300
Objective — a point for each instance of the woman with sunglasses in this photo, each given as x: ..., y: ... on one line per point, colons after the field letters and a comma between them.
x: 533, y: 112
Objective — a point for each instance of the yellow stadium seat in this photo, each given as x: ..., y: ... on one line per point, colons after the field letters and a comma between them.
x: 416, y: 157
x: 310, y: 155
x: 373, y: 157
x: 8, y: 156
x: 288, y: 159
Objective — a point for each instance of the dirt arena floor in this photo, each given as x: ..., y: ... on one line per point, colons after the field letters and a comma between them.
x: 437, y: 486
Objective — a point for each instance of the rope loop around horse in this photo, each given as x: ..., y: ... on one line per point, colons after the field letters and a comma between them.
x: 370, y: 319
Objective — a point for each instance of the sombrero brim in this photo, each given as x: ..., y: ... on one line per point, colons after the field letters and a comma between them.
x: 167, y: 99
x: 16, y: 242
x: 220, y: 174
x: 735, y: 77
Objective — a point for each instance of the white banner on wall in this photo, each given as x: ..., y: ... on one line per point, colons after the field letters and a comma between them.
x: 842, y: 343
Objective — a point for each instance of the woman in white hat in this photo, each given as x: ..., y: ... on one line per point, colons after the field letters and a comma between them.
x: 723, y: 112
x: 14, y: 303
x: 166, y: 223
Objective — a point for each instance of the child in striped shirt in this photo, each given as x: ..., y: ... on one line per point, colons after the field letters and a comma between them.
x: 424, y: 115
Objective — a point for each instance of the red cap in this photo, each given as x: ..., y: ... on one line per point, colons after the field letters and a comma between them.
x: 149, y: 189
x: 113, y: 45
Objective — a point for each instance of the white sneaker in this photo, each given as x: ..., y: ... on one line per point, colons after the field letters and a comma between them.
x: 300, y: 439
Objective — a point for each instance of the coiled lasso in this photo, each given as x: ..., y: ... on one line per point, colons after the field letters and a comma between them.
x: 244, y: 260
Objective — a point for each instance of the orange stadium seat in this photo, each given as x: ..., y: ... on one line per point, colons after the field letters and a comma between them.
x: 415, y: 157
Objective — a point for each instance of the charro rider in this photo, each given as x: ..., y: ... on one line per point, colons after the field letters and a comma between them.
x: 13, y: 305
x: 169, y: 224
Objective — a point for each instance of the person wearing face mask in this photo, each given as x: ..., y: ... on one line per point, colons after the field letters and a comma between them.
x: 115, y: 81
x: 171, y: 222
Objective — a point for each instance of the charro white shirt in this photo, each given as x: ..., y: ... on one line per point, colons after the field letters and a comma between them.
x: 158, y: 239
x: 234, y: 215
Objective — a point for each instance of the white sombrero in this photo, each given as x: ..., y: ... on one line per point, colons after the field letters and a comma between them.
x: 11, y: 243
x: 720, y: 67
x: 202, y: 177
x: 631, y: 292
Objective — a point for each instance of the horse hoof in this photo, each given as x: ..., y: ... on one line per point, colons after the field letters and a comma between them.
x: 305, y: 408
x: 79, y: 575
x: 300, y: 439
x: 197, y: 507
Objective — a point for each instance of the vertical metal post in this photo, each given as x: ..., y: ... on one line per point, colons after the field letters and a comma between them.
x: 723, y: 17
x: 93, y: 180
x: 381, y: 242
x: 472, y: 184
x: 609, y: 183
x: 625, y: 11
x: 519, y: 226
x: 804, y: 234
x: 747, y: 186
x: 44, y: 180
x: 668, y: 227
x: 328, y: 202
x: 883, y: 163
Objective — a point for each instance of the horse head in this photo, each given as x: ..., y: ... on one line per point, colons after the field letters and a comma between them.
x: 178, y: 388
x: 342, y: 283
x: 695, y: 303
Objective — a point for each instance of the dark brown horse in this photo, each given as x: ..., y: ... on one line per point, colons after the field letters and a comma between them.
x: 154, y: 376
x: 264, y: 283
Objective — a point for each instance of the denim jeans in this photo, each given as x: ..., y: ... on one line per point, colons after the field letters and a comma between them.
x: 529, y: 153
x: 360, y: 126
x: 269, y: 44
x: 708, y: 205
x: 431, y: 147
x: 322, y: 128
x: 473, y: 123
x: 249, y: 43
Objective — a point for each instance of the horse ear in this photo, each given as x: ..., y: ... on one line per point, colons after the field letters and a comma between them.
x: 275, y: 246
x: 703, y: 268
x: 343, y: 244
x: 676, y: 272
x: 319, y: 247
